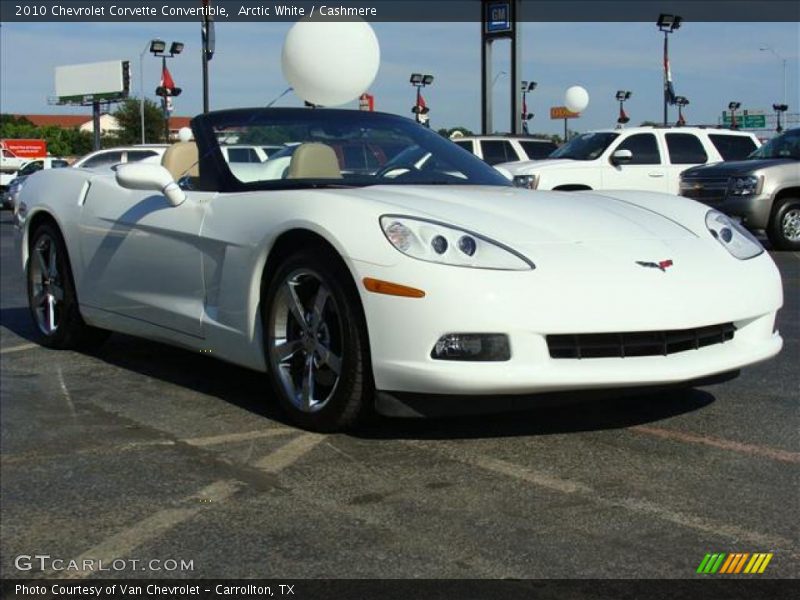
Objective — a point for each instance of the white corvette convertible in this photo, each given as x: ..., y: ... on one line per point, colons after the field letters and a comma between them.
x: 387, y: 282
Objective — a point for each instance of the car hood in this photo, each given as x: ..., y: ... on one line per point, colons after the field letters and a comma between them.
x: 518, y: 216
x: 526, y: 167
x: 734, y: 167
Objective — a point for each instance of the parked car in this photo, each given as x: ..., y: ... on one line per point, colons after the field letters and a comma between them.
x: 109, y: 157
x: 389, y: 290
x: 8, y: 198
x: 763, y: 190
x: 10, y: 162
x: 635, y: 158
x: 496, y: 149
x: 243, y: 153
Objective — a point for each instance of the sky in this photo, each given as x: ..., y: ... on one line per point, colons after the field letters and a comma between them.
x: 712, y: 64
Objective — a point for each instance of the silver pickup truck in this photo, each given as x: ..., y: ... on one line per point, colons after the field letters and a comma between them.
x: 764, y: 190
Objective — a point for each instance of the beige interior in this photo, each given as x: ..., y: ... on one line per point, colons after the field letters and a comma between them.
x: 181, y: 159
x: 314, y: 161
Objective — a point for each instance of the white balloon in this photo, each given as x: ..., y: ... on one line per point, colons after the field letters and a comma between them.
x: 330, y: 63
x: 185, y: 134
x: 576, y: 99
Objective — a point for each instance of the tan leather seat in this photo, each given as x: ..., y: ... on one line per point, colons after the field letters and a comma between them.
x: 181, y: 160
x: 314, y: 161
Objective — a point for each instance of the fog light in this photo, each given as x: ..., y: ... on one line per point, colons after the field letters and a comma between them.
x: 472, y: 347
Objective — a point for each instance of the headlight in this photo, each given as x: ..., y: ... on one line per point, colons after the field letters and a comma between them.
x: 526, y: 181
x: 735, y: 238
x: 440, y: 243
x: 747, y: 185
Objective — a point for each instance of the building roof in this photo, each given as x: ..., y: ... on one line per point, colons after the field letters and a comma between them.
x: 71, y: 121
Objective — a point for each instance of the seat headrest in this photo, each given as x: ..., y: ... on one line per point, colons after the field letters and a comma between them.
x: 181, y: 159
x: 314, y: 161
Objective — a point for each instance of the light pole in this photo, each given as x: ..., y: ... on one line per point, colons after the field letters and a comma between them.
x: 527, y: 86
x: 622, y: 96
x: 420, y: 110
x: 148, y: 46
x: 733, y: 107
x: 158, y: 49
x: 779, y: 108
x: 767, y: 48
x: 208, y: 38
x: 681, y: 101
x: 668, y: 24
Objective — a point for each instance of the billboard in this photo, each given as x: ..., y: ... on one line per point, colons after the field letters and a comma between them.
x: 26, y: 149
x: 108, y: 80
x: 562, y: 112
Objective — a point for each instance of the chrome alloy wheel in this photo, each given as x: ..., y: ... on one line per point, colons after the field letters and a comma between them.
x: 306, y: 340
x: 791, y: 225
x: 47, y: 285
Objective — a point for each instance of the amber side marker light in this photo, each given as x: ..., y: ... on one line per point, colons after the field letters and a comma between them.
x: 391, y: 289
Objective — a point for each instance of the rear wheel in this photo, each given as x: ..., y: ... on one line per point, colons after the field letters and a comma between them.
x: 316, y: 343
x: 784, y: 228
x: 51, y: 294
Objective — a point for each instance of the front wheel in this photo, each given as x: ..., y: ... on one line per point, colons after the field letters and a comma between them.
x: 51, y: 294
x: 784, y: 228
x: 316, y: 343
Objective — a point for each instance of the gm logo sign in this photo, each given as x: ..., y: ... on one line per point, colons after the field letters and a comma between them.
x: 498, y: 17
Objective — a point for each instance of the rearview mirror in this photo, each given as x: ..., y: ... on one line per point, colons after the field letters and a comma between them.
x: 143, y: 176
x: 621, y: 157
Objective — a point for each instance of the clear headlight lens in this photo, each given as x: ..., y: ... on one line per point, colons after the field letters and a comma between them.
x: 526, y: 181
x: 733, y: 236
x: 747, y: 185
x: 440, y: 243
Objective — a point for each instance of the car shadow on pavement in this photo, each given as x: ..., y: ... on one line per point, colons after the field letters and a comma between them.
x: 18, y: 320
x: 573, y: 417
x: 250, y: 391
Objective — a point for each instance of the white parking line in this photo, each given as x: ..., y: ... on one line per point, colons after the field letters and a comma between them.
x: 289, y: 453
x: 644, y: 507
x: 124, y: 542
x: 226, y: 438
x: 20, y: 348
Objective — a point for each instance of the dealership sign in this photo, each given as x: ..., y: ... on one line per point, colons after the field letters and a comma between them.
x: 562, y: 112
x: 26, y: 148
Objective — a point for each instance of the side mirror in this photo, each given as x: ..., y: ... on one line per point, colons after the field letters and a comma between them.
x: 143, y: 176
x: 621, y: 157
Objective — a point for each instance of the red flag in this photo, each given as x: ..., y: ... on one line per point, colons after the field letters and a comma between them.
x: 166, y: 79
x: 421, y: 103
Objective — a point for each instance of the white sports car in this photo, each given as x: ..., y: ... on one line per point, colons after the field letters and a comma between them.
x: 399, y: 287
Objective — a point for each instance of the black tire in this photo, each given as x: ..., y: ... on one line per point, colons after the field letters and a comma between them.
x: 50, y: 283
x: 319, y: 368
x: 784, y: 227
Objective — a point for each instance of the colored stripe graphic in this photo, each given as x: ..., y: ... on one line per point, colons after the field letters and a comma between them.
x: 727, y: 565
x: 718, y: 563
x: 703, y: 563
x: 734, y: 563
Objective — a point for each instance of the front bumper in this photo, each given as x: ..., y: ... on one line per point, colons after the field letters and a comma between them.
x: 579, y: 297
x: 753, y: 210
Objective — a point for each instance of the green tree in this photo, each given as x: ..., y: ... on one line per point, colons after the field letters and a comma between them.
x: 129, y: 118
x: 448, y: 132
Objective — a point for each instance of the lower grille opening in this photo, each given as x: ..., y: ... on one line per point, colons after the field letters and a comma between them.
x: 637, y: 343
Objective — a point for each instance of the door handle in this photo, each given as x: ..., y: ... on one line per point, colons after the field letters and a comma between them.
x: 656, y: 174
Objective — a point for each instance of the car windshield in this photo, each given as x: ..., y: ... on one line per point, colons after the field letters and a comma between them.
x: 587, y: 146
x: 339, y: 148
x: 782, y: 146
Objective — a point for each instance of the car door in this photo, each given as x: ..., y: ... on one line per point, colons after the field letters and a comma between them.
x: 645, y: 170
x: 142, y: 257
x: 685, y: 150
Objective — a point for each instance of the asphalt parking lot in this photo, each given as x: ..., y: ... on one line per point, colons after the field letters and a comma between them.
x: 144, y: 452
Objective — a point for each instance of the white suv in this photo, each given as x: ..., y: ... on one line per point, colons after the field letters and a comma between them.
x: 496, y: 149
x: 637, y: 158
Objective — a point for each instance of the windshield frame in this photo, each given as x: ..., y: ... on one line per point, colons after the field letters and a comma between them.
x: 216, y: 175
